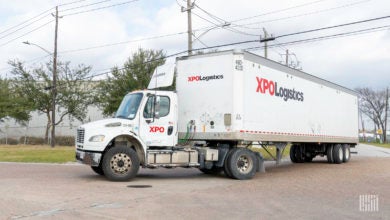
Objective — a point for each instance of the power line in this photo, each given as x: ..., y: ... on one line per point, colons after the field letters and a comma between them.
x: 335, y: 26
x: 280, y: 10
x: 71, y: 3
x: 309, y: 40
x: 100, y: 8
x: 35, y: 29
x: 84, y: 6
x: 221, y: 21
x: 299, y: 15
x: 9, y: 34
x: 362, y: 31
x: 227, y: 28
x: 120, y: 43
x: 28, y: 20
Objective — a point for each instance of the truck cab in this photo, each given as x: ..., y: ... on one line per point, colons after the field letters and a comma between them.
x: 144, y: 120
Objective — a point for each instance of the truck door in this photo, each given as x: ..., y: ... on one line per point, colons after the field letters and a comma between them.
x: 160, y: 129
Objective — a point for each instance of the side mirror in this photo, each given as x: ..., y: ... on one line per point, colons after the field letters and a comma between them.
x: 157, y: 107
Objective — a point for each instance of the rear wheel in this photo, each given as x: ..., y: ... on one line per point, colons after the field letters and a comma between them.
x: 346, y: 153
x: 338, y: 154
x: 226, y: 168
x: 293, y: 156
x: 242, y: 164
x: 329, y: 153
x: 120, y: 163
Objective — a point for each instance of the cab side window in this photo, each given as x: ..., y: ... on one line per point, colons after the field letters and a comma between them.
x: 164, y: 107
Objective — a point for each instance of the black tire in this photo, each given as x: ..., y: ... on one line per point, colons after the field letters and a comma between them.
x: 98, y: 170
x: 346, y: 153
x: 120, y: 163
x: 293, y: 155
x: 297, y: 154
x: 226, y: 168
x: 338, y: 154
x: 242, y: 164
x: 212, y: 171
x: 329, y: 153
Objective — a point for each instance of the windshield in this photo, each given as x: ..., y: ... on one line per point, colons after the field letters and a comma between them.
x: 129, y: 106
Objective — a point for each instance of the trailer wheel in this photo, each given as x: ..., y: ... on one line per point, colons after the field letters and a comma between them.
x: 293, y: 156
x: 338, y: 154
x: 346, y: 153
x: 242, y: 164
x: 120, y: 163
x: 296, y: 154
x: 329, y: 153
x: 98, y: 170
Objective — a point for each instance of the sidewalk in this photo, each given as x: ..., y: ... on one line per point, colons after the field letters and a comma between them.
x: 365, y: 150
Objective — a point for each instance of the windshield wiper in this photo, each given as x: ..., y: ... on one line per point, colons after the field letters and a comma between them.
x: 121, y: 116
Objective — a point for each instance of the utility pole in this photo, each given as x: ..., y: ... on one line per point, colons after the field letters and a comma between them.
x: 265, y: 43
x: 54, y: 86
x: 386, y: 109
x: 189, y: 7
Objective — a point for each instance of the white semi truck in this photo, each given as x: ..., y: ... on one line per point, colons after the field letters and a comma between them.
x: 225, y: 104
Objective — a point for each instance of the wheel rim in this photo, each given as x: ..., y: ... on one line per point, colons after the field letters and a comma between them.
x: 120, y: 163
x: 341, y: 154
x: 244, y: 164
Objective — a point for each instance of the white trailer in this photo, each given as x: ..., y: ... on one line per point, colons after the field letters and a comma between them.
x: 224, y: 102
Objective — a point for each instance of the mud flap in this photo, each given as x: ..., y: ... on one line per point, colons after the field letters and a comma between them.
x: 260, y: 162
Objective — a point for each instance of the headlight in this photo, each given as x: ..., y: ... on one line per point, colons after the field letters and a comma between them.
x: 96, y: 138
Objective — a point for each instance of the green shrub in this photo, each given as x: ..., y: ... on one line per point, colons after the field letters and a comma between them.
x: 10, y: 141
x: 65, y: 140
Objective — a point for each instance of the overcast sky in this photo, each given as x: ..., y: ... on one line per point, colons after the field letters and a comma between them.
x: 359, y: 60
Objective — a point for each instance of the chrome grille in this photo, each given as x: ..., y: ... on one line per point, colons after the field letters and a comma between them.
x: 80, y: 135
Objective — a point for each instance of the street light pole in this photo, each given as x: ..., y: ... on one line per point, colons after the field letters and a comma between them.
x: 29, y: 43
x: 54, y: 82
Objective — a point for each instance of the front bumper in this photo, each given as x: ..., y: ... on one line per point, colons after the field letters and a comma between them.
x: 89, y: 158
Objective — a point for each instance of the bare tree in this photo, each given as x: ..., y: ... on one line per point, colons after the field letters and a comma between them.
x: 374, y: 105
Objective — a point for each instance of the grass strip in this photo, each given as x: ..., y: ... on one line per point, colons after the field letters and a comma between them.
x: 36, y: 154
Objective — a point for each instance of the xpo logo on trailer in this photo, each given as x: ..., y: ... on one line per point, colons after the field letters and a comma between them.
x: 270, y: 87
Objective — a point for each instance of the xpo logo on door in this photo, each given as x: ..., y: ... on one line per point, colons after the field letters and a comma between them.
x: 156, y: 129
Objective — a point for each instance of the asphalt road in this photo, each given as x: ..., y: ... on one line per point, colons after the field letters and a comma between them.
x: 315, y: 190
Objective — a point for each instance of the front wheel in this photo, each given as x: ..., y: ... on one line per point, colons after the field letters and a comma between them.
x: 242, y: 164
x: 120, y: 163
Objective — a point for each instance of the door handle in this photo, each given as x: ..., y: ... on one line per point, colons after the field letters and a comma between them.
x: 170, y: 130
